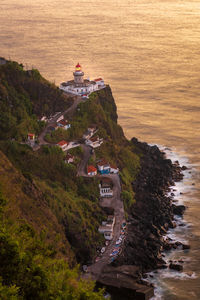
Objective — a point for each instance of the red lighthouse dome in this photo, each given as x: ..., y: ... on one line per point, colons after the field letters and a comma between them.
x: 78, y: 67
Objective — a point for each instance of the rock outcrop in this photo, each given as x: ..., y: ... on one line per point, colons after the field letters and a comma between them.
x: 152, y: 214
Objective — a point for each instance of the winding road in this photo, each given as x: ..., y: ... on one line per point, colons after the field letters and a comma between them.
x: 69, y: 112
x: 114, y: 202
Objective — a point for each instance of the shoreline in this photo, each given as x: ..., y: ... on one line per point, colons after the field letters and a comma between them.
x: 149, y: 220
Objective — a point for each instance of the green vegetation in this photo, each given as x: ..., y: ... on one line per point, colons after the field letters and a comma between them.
x: 49, y: 217
x: 29, y: 270
x: 25, y: 96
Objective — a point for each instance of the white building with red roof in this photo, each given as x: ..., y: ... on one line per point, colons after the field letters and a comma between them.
x: 31, y: 137
x: 63, y: 145
x: 64, y: 124
x: 81, y: 86
x: 91, y: 170
x: 94, y: 142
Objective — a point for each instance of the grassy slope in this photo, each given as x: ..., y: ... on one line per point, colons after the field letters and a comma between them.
x: 42, y: 190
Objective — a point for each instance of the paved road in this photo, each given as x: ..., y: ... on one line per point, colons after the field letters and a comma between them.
x: 82, y: 168
x: 70, y: 111
x: 95, y: 269
x: 115, y: 202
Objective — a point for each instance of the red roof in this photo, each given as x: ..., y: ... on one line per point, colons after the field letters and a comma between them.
x: 78, y: 65
x: 62, y: 143
x: 91, y: 169
x: 94, y: 139
x: 98, y: 79
x: 63, y: 122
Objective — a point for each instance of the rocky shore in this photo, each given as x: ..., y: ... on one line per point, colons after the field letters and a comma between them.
x: 148, y: 221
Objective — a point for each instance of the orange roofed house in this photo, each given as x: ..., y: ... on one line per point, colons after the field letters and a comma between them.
x: 91, y: 170
x: 63, y: 145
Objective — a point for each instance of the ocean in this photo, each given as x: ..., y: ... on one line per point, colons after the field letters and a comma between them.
x: 148, y: 52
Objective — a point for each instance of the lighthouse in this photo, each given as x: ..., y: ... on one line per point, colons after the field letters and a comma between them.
x: 80, y: 86
x: 78, y: 75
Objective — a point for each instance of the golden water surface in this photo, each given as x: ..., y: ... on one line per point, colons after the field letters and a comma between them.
x: 149, y: 53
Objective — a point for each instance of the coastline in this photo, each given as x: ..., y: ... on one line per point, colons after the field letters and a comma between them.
x: 151, y: 217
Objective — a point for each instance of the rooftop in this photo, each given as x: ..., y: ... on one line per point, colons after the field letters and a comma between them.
x: 63, y: 122
x: 98, y: 79
x: 91, y: 169
x: 62, y: 143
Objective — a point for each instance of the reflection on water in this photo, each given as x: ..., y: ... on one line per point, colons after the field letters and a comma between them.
x: 148, y: 51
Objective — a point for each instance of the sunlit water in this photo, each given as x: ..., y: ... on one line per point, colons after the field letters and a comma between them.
x: 149, y: 53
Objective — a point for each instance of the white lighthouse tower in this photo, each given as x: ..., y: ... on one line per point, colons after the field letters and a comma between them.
x: 80, y: 86
x: 78, y: 75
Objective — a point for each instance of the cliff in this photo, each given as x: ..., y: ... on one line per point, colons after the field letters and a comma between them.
x: 51, y: 216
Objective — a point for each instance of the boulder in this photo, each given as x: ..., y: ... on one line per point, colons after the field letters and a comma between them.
x: 178, y: 209
x: 185, y: 247
x: 176, y: 267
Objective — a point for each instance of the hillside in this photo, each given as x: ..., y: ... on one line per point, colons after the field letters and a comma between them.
x: 43, y: 193
x: 25, y: 97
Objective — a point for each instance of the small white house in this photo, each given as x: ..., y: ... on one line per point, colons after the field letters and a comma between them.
x: 69, y: 158
x: 91, y: 170
x: 60, y: 118
x: 100, y: 82
x: 90, y: 132
x: 107, y: 228
x: 64, y: 124
x: 105, y: 188
x: 63, y: 145
x: 31, y: 137
x: 94, y: 142
x: 114, y: 169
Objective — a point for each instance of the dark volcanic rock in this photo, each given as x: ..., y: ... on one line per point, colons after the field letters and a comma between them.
x: 176, y: 267
x: 152, y: 214
x: 178, y: 209
x: 185, y: 247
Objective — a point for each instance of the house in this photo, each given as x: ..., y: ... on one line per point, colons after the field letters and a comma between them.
x: 114, y: 169
x: 92, y: 129
x: 90, y: 132
x: 105, y: 187
x: 44, y: 118
x: 64, y: 124
x: 63, y: 145
x: 94, y: 142
x: 69, y: 158
x: 60, y: 118
x: 99, y: 82
x: 31, y: 137
x: 107, y: 231
x: 81, y: 86
x: 91, y: 170
x: 103, y: 166
x: 107, y: 227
